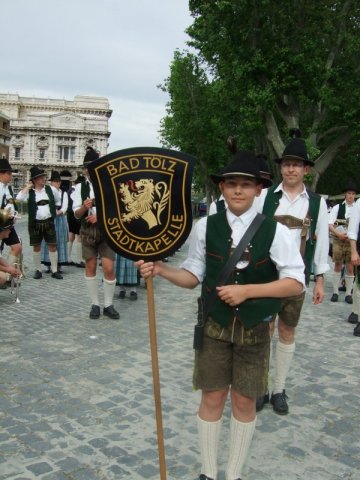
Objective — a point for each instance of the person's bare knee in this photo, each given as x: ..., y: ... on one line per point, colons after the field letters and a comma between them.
x: 212, y: 405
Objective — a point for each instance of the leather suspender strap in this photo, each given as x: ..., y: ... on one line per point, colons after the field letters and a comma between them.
x: 232, y: 261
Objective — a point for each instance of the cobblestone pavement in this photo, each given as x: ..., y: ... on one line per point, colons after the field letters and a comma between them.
x: 76, y: 395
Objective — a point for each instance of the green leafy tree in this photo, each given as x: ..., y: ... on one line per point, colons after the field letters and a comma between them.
x: 282, y: 65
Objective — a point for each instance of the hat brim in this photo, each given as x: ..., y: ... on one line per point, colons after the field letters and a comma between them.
x: 38, y: 175
x: 287, y: 157
x: 4, y: 170
x: 219, y: 178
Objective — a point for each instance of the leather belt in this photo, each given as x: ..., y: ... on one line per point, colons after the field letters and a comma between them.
x: 296, y: 223
x: 41, y: 203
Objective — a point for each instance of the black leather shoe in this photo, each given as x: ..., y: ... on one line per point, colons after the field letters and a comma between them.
x: 204, y: 477
x: 57, y: 275
x: 122, y: 293
x: 94, y: 312
x: 111, y: 312
x: 348, y: 299
x: 37, y: 275
x: 334, y: 298
x: 357, y: 330
x: 260, y: 402
x: 278, y: 401
x: 133, y: 296
x: 353, y: 318
x: 342, y: 288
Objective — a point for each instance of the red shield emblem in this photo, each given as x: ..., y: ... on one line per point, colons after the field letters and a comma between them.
x: 143, y: 200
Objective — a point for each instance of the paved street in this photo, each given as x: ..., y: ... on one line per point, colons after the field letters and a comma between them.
x: 76, y: 395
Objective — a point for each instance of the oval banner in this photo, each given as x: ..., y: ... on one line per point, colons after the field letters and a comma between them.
x: 143, y: 200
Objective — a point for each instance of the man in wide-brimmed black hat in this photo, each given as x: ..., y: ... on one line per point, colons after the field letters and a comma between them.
x: 41, y: 199
x: 234, y: 357
x: 341, y: 251
x: 7, y: 201
x: 94, y: 245
x: 305, y: 214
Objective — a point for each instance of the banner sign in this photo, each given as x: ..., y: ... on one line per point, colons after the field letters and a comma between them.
x: 143, y: 200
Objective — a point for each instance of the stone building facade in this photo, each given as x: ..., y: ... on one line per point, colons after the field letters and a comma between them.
x: 4, y: 135
x: 53, y: 134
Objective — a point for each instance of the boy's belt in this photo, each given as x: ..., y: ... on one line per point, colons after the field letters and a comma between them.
x: 42, y: 202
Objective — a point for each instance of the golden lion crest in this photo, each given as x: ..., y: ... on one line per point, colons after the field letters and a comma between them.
x: 144, y: 199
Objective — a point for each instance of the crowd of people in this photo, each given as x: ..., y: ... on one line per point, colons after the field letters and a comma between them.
x: 289, y: 233
x: 63, y: 231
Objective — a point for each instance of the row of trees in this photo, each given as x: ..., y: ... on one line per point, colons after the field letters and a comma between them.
x: 257, y: 68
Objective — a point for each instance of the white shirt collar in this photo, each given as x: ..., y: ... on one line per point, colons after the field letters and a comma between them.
x: 245, y: 218
x: 280, y: 187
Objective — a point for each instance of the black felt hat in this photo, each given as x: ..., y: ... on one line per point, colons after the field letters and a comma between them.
x: 36, y: 172
x: 55, y: 176
x: 263, y: 166
x: 90, y: 155
x: 295, y: 149
x: 350, y: 186
x: 5, y: 165
x: 244, y: 163
x: 80, y: 179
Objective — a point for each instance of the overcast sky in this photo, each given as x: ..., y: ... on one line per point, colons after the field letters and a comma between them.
x: 118, y: 49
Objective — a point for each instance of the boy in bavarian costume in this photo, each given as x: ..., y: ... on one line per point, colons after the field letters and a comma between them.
x: 94, y: 244
x: 354, y: 237
x: 7, y: 202
x: 305, y: 215
x: 61, y: 226
x: 338, y: 223
x: 41, y: 200
x: 234, y: 357
x: 7, y: 270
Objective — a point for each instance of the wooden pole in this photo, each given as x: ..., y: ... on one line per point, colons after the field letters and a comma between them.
x: 156, y: 378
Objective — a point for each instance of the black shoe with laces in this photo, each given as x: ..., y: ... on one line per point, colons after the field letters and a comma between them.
x: 133, y: 296
x: 334, y: 297
x: 348, y: 299
x: 57, y: 275
x: 353, y: 318
x: 94, y: 311
x: 357, y: 330
x: 111, y: 312
x: 260, y: 402
x: 204, y: 477
x: 37, y: 275
x: 278, y: 401
x: 122, y: 293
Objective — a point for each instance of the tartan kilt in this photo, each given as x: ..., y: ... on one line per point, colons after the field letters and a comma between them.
x: 125, y: 271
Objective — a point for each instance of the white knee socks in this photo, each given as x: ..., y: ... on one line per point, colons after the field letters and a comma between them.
x: 349, y: 280
x: 241, y: 435
x: 209, y: 433
x: 37, y: 260
x: 92, y: 286
x: 109, y: 290
x: 283, y: 357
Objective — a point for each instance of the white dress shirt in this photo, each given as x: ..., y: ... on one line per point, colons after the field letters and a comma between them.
x: 4, y: 191
x: 353, y: 228
x: 283, y: 252
x: 77, y: 200
x: 335, y: 210
x: 42, y: 211
x: 299, y: 207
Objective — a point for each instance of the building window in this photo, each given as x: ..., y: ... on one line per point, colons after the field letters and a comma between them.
x: 42, y: 153
x: 67, y: 154
x: 17, y: 153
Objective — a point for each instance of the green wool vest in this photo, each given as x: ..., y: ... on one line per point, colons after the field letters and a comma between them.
x: 12, y: 195
x: 259, y: 270
x: 341, y: 211
x: 32, y: 207
x: 85, y: 193
x: 271, y: 204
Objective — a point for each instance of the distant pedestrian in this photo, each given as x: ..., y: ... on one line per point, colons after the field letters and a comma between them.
x: 61, y: 226
x: 94, y: 245
x: 341, y: 251
x: 354, y: 237
x: 126, y: 276
x: 41, y: 199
